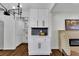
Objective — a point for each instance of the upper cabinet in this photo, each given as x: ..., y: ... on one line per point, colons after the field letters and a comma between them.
x: 43, y: 17
x: 33, y: 17
x: 39, y: 17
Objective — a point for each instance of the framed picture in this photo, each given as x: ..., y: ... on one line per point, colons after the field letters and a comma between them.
x: 72, y: 24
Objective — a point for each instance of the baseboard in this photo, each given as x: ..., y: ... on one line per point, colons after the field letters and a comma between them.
x: 54, y: 49
x: 9, y: 49
x: 15, y: 47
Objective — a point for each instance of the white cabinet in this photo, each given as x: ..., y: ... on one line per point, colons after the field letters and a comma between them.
x: 39, y: 46
x: 39, y: 17
x: 43, y: 17
x: 33, y: 17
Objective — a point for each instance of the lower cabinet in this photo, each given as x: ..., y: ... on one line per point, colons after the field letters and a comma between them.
x: 40, y: 46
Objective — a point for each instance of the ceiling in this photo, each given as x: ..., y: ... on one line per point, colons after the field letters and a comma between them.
x: 66, y: 7
x: 26, y: 6
x: 58, y: 7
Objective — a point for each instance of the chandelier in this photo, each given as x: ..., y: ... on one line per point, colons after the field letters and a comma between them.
x: 15, y: 10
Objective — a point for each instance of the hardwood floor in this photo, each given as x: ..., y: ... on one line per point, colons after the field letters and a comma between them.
x: 22, y: 50
x: 56, y: 52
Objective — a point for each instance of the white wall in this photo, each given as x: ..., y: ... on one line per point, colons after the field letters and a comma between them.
x: 20, y: 34
x: 50, y: 24
x: 9, y: 31
x: 1, y: 34
x: 19, y: 31
x: 10, y: 41
x: 26, y: 14
x: 58, y: 22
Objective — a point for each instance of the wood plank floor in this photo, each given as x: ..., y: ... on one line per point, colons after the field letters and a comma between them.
x: 56, y: 52
x: 22, y: 50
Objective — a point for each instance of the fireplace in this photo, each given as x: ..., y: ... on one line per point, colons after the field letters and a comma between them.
x: 74, y: 42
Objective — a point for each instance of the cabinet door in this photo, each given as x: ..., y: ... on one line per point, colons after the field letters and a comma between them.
x: 46, y: 17
x: 40, y: 17
x: 45, y: 46
x: 43, y: 17
x: 33, y: 46
x: 42, y: 46
x: 33, y: 17
x: 33, y: 22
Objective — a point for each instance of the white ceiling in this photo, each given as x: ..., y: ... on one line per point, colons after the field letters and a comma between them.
x: 58, y: 7
x: 66, y: 7
x: 26, y: 6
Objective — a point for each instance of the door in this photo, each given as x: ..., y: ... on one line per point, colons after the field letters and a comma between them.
x: 1, y: 34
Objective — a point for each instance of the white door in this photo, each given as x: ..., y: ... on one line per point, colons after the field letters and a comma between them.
x: 1, y: 34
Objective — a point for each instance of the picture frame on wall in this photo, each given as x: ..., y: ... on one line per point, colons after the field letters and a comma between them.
x: 72, y: 24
